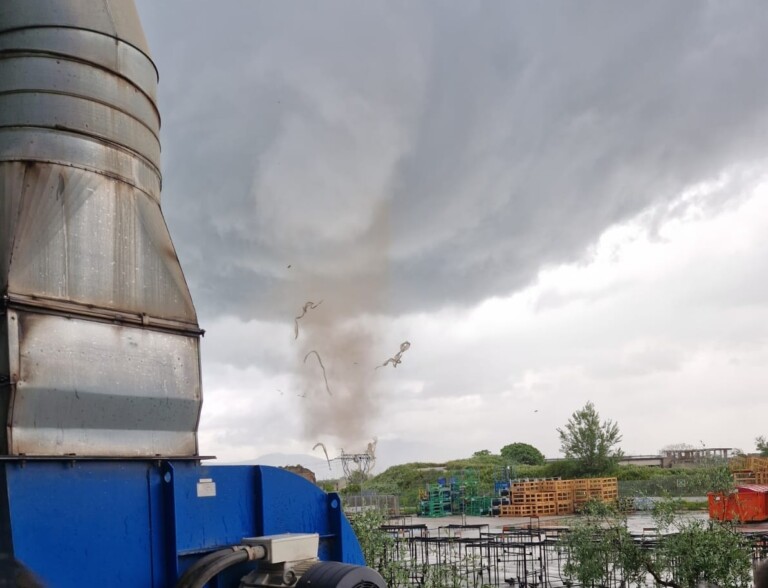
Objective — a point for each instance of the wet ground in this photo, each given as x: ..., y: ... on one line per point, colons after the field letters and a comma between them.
x: 520, y: 557
x: 637, y: 522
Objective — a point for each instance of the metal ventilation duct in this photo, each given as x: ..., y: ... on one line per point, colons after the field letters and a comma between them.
x: 99, y: 341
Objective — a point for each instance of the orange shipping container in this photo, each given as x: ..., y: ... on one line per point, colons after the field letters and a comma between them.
x: 748, y: 504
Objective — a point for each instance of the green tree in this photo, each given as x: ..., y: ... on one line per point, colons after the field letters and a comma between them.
x: 522, y: 453
x: 591, y: 443
x: 762, y: 445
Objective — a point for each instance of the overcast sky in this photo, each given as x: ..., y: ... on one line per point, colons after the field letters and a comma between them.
x: 552, y: 202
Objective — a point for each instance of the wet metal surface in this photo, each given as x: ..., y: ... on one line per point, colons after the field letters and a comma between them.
x: 81, y: 237
x: 61, y: 401
x: 100, y: 350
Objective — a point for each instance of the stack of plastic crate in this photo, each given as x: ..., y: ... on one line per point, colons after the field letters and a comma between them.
x: 435, y: 500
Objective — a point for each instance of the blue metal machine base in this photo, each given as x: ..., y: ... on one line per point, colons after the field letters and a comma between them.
x: 142, y: 523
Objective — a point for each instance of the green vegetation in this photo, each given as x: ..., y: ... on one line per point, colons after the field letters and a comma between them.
x: 407, y: 479
x: 761, y: 444
x: 677, y: 482
x: 591, y: 443
x: 377, y: 545
x: 682, y: 553
x: 591, y: 448
x: 377, y: 550
x: 522, y: 453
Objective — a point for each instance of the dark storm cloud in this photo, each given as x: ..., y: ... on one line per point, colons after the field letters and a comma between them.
x: 477, y: 142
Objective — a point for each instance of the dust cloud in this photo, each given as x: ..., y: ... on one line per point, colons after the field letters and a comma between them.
x: 340, y: 332
x: 347, y: 414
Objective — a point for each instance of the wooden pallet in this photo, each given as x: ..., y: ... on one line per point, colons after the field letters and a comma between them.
x: 565, y: 507
x: 532, y: 497
x: 528, y: 510
x: 557, y: 497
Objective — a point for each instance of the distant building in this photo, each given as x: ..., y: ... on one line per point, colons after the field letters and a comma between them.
x: 643, y: 461
x: 676, y: 458
x: 691, y: 457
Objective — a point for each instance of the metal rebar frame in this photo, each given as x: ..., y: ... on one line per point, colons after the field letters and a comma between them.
x: 472, y: 556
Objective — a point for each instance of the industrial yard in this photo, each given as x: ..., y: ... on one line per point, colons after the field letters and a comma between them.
x: 527, y: 533
x: 497, y: 268
x: 473, y: 552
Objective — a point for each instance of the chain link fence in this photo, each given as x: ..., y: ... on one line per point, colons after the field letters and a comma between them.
x: 682, y: 486
x: 388, y: 504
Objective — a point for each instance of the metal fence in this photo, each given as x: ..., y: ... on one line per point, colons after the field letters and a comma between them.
x: 663, y: 486
x: 471, y: 556
x: 388, y: 504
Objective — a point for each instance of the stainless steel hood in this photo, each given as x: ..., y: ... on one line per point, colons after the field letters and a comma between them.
x: 99, y: 341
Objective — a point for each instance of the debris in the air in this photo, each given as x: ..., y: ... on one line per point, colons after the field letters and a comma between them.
x: 404, y: 346
x: 324, y: 451
x: 289, y: 266
x: 371, y: 449
x: 304, y: 309
x: 320, y: 361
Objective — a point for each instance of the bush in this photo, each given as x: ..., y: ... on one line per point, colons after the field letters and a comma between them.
x: 376, y: 546
x: 683, y: 553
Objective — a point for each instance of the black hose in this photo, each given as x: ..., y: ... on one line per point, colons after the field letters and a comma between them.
x: 191, y: 571
x: 217, y: 566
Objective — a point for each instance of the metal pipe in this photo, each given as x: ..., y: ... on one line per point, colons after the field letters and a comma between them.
x: 206, y: 571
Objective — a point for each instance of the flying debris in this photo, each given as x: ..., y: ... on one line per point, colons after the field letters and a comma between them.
x: 304, y: 309
x: 328, y: 459
x: 371, y: 450
x: 404, y: 346
x: 320, y: 361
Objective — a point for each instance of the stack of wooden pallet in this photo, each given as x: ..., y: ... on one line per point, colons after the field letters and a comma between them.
x: 556, y: 497
x: 749, y: 470
x: 565, y: 490
x: 601, y: 489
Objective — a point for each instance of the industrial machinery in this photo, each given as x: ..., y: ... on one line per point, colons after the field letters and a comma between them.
x: 101, y: 481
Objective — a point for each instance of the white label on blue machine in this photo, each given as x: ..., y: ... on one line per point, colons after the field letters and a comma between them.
x: 206, y: 487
